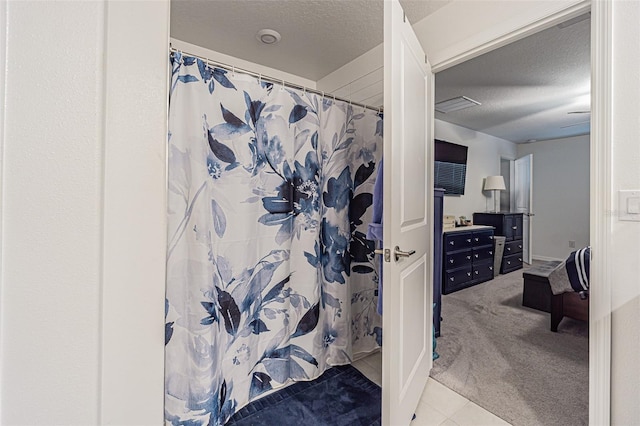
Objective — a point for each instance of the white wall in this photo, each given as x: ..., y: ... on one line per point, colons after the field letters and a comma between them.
x: 361, y: 80
x: 83, y: 212
x: 483, y: 159
x: 560, y: 195
x: 52, y: 187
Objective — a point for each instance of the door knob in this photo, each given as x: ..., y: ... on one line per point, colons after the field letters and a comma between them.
x: 399, y: 253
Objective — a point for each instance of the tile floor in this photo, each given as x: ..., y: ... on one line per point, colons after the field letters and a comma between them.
x: 439, y: 405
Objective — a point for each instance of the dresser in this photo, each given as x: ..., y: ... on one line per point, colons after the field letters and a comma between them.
x: 508, y: 225
x: 467, y: 257
x: 438, y: 195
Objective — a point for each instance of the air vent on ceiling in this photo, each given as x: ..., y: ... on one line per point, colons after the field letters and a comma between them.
x: 456, y: 104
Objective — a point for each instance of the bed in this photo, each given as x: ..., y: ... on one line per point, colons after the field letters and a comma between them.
x: 559, y: 287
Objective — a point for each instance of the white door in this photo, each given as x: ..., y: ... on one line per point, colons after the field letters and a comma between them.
x: 408, y: 219
x: 523, y: 172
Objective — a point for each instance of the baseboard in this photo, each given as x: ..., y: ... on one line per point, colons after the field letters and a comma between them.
x: 544, y: 258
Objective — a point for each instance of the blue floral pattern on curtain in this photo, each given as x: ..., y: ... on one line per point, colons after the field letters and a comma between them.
x: 270, y: 278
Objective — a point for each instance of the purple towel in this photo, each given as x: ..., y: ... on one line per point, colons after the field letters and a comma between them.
x: 374, y: 231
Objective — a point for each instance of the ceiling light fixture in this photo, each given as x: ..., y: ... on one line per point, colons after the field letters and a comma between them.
x: 456, y: 104
x: 268, y: 36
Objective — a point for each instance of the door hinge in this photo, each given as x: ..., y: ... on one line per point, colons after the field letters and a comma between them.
x: 404, y: 17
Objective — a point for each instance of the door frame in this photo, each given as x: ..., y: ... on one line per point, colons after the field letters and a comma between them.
x: 601, y: 192
x: 526, y: 216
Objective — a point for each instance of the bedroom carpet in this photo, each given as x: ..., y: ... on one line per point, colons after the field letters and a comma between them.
x: 342, y: 396
x: 503, y: 357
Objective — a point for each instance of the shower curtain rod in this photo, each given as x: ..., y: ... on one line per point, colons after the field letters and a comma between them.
x: 273, y: 79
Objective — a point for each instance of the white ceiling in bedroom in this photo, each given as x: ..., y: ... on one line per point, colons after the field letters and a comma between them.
x: 537, y: 88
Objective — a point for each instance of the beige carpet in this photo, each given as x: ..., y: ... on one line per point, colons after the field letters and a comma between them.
x: 503, y: 357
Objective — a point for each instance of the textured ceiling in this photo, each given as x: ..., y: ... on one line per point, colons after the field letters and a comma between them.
x: 318, y: 36
x: 526, y: 88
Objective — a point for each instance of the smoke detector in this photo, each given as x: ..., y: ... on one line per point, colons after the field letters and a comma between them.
x: 268, y: 36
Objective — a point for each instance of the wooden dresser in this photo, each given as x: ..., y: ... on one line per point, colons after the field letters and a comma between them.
x: 467, y: 257
x: 508, y: 225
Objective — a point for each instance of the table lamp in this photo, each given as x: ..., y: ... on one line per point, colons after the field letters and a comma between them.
x: 495, y: 184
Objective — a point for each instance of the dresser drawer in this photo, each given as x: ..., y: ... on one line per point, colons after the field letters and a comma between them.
x: 457, y: 241
x: 457, y: 279
x: 512, y: 247
x: 482, y: 238
x: 482, y: 254
x: 483, y: 271
x: 511, y: 263
x: 457, y: 260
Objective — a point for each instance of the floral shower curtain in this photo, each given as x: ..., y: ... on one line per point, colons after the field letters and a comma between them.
x: 270, y: 277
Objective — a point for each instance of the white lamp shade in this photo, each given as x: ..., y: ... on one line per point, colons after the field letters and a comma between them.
x: 493, y: 183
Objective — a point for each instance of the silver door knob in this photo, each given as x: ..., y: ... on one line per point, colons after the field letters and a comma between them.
x: 399, y: 253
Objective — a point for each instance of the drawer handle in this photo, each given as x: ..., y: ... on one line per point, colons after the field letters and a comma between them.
x: 452, y: 243
x: 520, y: 247
x: 490, y: 252
x: 475, y: 255
x: 450, y: 260
x: 477, y: 272
x: 491, y: 268
x: 452, y: 279
x: 491, y: 237
x: 468, y: 257
x: 468, y: 240
x: 514, y: 227
x: 477, y: 239
x: 519, y: 259
x: 508, y: 262
x: 508, y: 248
x: 468, y: 274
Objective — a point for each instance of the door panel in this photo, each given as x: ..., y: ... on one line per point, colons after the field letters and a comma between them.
x: 408, y: 219
x: 413, y: 291
x: 413, y: 155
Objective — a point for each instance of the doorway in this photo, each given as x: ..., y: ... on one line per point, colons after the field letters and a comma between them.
x: 504, y: 168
